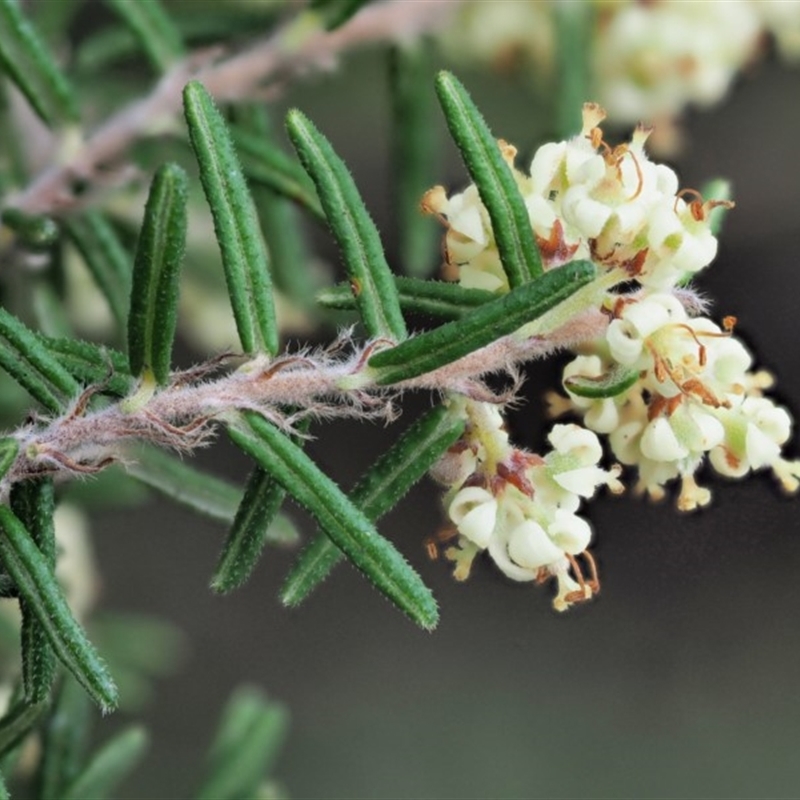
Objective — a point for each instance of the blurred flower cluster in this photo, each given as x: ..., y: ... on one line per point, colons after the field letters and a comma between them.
x: 648, y: 60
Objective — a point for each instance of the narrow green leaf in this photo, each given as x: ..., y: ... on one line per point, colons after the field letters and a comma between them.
x: 265, y: 163
x: 109, y: 766
x: 156, y: 272
x: 250, y: 735
x: 616, y: 381
x: 32, y: 365
x: 717, y: 189
x: 414, y: 154
x: 497, y: 188
x: 92, y: 364
x: 29, y: 568
x: 489, y: 322
x: 34, y: 504
x: 187, y: 485
x: 263, y: 497
x: 335, y: 13
x: 36, y: 232
x: 353, y: 229
x: 244, y: 254
x: 9, y: 449
x: 574, y: 25
x: 437, y: 298
x: 152, y: 26
x: 381, y: 488
x: 29, y: 64
x: 17, y: 723
x: 105, y: 257
x: 48, y: 308
x: 348, y: 527
x: 4, y: 795
x: 65, y: 735
x: 276, y: 213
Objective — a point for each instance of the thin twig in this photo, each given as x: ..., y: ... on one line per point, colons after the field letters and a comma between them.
x: 270, y: 62
x: 183, y: 415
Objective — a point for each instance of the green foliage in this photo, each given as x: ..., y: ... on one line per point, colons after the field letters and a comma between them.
x: 613, y: 383
x: 244, y: 254
x: 154, y: 295
x: 106, y: 257
x: 414, y: 152
x: 109, y: 766
x: 498, y: 190
x: 154, y: 29
x: 442, y: 346
x: 347, y: 526
x: 250, y: 734
x: 265, y: 164
x: 29, y: 63
x: 108, y: 395
x: 33, y: 366
x: 34, y: 577
x: 381, y: 488
x: 353, y: 229
x: 263, y: 497
x: 440, y: 299
x: 33, y: 502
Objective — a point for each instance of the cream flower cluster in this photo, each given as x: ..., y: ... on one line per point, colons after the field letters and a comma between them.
x: 670, y: 389
x: 521, y: 508
x: 652, y: 60
x: 586, y: 199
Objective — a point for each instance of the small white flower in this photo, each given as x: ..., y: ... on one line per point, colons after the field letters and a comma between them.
x: 474, y: 512
x: 529, y: 546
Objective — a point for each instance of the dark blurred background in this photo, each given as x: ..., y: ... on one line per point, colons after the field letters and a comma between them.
x: 679, y: 680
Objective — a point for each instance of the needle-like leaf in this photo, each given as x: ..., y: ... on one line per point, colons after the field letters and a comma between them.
x: 89, y: 364
x: 347, y: 526
x: 497, y: 188
x: 266, y: 164
x: 37, y: 585
x: 33, y: 503
x: 438, y: 298
x: 381, y: 488
x: 106, y: 258
x: 263, y: 497
x: 156, y: 272
x: 414, y: 154
x: 29, y: 64
x: 185, y: 484
x: 203, y: 493
x: 244, y: 254
x: 153, y: 27
x: 614, y: 382
x: 353, y: 229
x: 9, y: 448
x: 65, y: 735
x: 500, y: 317
x: 109, y: 766
x: 17, y: 722
x: 250, y: 735
x: 33, y: 366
